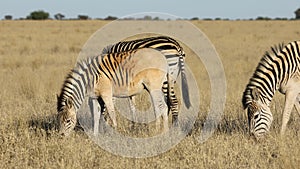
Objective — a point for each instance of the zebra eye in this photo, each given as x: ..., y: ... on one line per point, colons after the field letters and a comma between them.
x: 68, y: 121
x: 256, y: 116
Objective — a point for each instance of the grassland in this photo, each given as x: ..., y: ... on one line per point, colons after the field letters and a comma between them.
x: 36, y: 56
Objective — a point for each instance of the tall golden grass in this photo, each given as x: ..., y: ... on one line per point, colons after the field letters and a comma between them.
x: 36, y: 56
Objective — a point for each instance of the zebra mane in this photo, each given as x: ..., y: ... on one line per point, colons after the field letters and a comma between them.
x: 60, y: 103
x: 275, y: 49
x: 247, y: 94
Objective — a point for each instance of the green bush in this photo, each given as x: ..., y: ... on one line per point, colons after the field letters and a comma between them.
x: 260, y: 18
x: 38, y: 15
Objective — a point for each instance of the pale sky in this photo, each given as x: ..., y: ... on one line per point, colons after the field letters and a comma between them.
x: 232, y: 9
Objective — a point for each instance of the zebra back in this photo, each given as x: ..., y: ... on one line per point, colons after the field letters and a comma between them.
x: 162, y: 43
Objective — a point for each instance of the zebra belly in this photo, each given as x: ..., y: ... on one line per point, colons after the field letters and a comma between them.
x: 127, y: 91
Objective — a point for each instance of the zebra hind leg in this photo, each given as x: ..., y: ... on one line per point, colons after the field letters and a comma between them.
x: 160, y: 109
x: 173, y: 105
x: 172, y: 101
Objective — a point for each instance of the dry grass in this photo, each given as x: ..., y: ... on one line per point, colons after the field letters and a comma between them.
x: 35, y: 57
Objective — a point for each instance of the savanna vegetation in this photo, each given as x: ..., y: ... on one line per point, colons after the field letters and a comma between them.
x: 35, y: 57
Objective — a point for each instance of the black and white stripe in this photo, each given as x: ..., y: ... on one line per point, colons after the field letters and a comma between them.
x: 116, y: 74
x: 175, y: 57
x: 278, y: 70
x: 168, y: 46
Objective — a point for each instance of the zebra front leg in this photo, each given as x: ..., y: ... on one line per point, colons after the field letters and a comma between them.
x: 290, y: 98
x: 102, y: 115
x: 133, y: 111
x: 96, y: 114
x: 109, y: 104
x: 297, y: 104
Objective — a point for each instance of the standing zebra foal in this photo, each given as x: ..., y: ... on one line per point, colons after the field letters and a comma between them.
x: 279, y: 70
x: 121, y: 74
x: 175, y: 57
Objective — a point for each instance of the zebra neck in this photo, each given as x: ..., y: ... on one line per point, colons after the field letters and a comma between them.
x: 249, y: 95
x: 78, y: 83
x: 75, y: 102
x: 266, y: 101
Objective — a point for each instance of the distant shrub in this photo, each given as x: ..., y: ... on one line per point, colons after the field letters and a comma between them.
x: 128, y: 18
x: 263, y: 18
x: 156, y: 18
x: 281, y: 19
x: 194, y: 19
x: 38, y: 15
x: 111, y: 18
x: 297, y: 13
x: 8, y: 17
x: 83, y: 17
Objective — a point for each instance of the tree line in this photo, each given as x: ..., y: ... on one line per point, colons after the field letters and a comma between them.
x: 42, y: 15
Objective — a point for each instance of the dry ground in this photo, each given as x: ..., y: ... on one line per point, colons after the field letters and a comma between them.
x: 36, y: 56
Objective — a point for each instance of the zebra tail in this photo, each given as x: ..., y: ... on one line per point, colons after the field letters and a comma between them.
x: 184, y: 84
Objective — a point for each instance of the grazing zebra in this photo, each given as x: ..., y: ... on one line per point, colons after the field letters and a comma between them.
x: 113, y: 75
x: 175, y: 57
x: 278, y: 70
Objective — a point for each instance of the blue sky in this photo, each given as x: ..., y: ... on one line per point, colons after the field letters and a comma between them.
x: 232, y: 9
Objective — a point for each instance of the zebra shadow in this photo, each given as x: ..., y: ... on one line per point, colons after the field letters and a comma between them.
x: 47, y: 125
x: 227, y: 126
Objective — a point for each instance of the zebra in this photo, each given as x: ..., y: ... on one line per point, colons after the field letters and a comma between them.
x: 277, y: 70
x: 113, y: 75
x: 175, y: 57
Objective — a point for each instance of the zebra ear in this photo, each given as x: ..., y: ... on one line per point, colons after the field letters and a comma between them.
x: 255, y: 94
x: 69, y: 103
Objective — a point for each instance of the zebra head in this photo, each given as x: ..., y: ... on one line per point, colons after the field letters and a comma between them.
x: 259, y: 117
x: 66, y: 117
